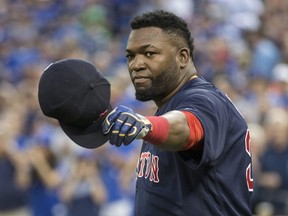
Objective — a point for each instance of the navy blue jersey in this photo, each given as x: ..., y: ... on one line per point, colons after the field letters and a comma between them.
x: 215, y: 181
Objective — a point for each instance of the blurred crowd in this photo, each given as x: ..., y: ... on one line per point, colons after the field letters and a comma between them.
x: 241, y: 46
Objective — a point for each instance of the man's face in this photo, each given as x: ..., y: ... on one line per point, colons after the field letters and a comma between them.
x: 152, y: 64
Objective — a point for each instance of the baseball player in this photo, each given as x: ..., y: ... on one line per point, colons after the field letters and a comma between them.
x: 195, y: 158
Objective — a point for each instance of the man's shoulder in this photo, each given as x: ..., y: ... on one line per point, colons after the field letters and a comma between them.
x: 198, y: 86
x: 200, y: 89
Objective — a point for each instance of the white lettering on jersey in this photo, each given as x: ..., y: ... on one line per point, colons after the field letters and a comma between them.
x: 148, y: 166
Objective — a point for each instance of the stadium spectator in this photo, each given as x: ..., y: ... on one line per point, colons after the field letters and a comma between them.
x: 272, y: 176
x: 83, y: 191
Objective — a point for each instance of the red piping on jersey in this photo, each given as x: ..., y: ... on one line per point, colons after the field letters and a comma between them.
x: 195, y: 140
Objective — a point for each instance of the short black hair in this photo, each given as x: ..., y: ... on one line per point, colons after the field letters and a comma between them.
x: 168, y: 22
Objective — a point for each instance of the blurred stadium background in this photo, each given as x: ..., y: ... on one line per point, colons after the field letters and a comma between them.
x: 241, y: 46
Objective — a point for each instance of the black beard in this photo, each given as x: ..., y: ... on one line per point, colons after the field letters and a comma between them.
x: 149, y: 94
x: 161, y: 86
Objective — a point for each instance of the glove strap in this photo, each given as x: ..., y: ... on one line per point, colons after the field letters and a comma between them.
x: 160, y: 130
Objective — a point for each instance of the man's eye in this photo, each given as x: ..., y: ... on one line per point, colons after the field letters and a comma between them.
x: 129, y: 56
x: 149, y: 54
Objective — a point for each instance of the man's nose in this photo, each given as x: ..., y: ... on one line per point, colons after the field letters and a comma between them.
x: 138, y: 63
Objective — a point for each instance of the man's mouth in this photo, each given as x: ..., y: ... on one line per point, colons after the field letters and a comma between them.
x: 140, y: 80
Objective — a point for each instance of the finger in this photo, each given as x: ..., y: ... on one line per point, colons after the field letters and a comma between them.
x: 130, y: 128
x: 133, y: 132
x: 124, y: 109
x: 109, y: 120
x: 118, y: 130
x: 127, y: 130
x: 124, y: 126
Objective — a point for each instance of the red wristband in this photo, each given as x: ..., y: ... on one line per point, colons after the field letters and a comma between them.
x: 160, y: 130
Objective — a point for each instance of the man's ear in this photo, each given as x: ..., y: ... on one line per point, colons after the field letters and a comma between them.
x: 183, y: 57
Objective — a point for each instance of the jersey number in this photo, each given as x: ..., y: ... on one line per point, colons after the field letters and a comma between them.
x: 249, y: 178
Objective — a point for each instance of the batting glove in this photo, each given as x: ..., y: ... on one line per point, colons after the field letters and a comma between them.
x: 123, y: 125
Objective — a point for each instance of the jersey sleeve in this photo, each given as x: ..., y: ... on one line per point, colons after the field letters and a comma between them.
x: 211, y: 110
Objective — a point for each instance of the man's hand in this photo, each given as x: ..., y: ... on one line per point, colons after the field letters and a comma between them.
x: 124, y: 125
